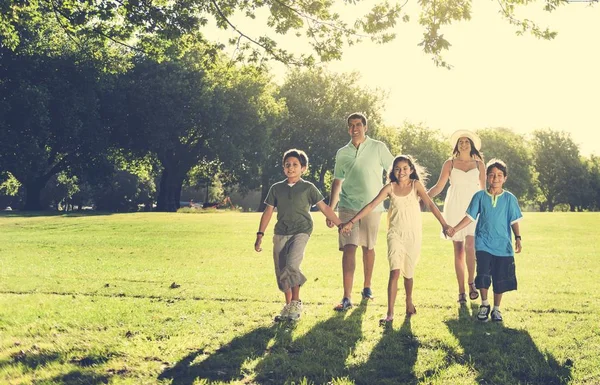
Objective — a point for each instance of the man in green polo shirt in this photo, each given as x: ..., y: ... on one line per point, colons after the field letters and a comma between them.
x: 358, y: 177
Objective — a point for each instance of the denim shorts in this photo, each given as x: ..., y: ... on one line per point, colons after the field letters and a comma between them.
x: 497, y: 270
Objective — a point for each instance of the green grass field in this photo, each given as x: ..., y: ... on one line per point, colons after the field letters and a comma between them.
x: 184, y: 299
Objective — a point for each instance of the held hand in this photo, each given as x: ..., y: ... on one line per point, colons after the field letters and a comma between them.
x: 346, y: 228
x: 257, y: 243
x: 518, y: 246
x: 450, y: 231
x: 329, y: 223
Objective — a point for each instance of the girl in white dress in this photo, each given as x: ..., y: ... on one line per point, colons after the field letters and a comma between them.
x: 404, y: 226
x: 466, y: 172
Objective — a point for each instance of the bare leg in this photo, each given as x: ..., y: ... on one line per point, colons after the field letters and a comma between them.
x: 470, y: 253
x: 497, y: 299
x: 459, y: 265
x: 348, y: 266
x: 295, y: 293
x: 484, y: 294
x: 408, y: 288
x: 392, y: 291
x: 368, y: 263
x: 288, y: 296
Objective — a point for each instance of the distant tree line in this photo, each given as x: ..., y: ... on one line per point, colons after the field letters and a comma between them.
x: 126, y: 117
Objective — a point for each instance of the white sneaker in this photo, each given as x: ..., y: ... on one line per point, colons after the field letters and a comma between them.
x: 285, y: 313
x: 295, y: 310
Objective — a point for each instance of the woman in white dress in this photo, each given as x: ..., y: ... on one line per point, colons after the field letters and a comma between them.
x: 466, y: 172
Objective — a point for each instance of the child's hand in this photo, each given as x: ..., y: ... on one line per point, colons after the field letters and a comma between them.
x: 450, y: 231
x: 329, y: 223
x: 518, y: 246
x: 346, y: 228
x: 257, y: 243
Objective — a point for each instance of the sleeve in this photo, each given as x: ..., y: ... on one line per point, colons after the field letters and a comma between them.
x: 514, y: 211
x: 338, y: 169
x: 385, y: 157
x: 474, y: 207
x: 314, y: 195
x: 271, y: 200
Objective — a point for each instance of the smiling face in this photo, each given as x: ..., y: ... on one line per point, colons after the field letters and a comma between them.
x: 464, y: 145
x: 495, y: 178
x: 402, y: 171
x: 357, y: 130
x: 293, y: 169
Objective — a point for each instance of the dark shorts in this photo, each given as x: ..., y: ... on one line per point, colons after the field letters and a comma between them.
x: 499, y: 270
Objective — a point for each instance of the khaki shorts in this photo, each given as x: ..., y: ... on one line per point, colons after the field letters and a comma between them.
x: 364, y: 233
x: 288, y: 252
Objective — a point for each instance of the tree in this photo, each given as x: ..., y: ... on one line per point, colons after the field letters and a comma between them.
x: 318, y: 103
x: 513, y: 149
x: 556, y: 160
x: 48, y: 118
x: 155, y: 26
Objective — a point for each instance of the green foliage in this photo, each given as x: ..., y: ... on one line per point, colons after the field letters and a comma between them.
x: 513, y: 149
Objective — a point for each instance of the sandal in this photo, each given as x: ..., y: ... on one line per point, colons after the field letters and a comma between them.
x: 344, y: 305
x: 462, y: 298
x: 473, y: 293
x: 386, y: 321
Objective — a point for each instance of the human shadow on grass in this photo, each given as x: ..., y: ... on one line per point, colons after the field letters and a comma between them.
x: 87, y: 369
x: 502, y: 355
x: 227, y: 363
x: 392, y: 359
x: 318, y: 356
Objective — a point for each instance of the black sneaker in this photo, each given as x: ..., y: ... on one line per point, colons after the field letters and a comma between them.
x: 496, y: 316
x: 367, y: 293
x: 484, y: 312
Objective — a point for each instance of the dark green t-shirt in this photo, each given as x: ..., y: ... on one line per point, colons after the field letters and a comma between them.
x: 293, y: 206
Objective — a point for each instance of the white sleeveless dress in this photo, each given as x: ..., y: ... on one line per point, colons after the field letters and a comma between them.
x: 463, y: 185
x: 405, y: 232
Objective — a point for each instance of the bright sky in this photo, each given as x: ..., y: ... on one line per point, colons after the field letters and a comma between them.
x: 499, y: 79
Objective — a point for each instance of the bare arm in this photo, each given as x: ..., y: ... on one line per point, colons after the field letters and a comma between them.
x: 463, y: 223
x: 264, y: 222
x: 334, y: 197
x: 442, y: 180
x: 517, y: 232
x: 329, y: 213
x: 383, y: 193
x: 429, y: 203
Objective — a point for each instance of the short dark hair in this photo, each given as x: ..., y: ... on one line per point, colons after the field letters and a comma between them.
x: 299, y: 154
x: 357, y: 115
x: 499, y: 164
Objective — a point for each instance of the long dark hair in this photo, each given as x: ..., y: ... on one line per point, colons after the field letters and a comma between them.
x: 418, y: 172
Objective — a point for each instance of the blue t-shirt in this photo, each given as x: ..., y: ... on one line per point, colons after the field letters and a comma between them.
x: 496, y: 215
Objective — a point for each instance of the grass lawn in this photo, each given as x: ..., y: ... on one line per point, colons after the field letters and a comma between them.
x: 155, y: 298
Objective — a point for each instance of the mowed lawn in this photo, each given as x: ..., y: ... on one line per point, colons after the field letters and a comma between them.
x: 184, y: 299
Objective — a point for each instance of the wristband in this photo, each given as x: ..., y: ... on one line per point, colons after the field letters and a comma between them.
x: 260, y: 233
x: 517, y: 237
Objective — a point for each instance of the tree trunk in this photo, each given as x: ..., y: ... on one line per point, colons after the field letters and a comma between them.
x: 263, y: 191
x: 33, y: 190
x: 169, y: 193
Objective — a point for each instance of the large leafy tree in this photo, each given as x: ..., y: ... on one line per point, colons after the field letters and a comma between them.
x: 153, y: 26
x: 556, y: 160
x: 513, y: 149
x: 188, y: 111
x: 49, y: 118
x: 318, y: 103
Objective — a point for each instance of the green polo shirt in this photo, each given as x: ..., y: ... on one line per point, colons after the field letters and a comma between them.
x: 361, y: 170
x: 293, y: 206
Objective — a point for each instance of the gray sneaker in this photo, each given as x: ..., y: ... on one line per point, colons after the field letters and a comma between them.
x: 295, y: 310
x: 496, y: 316
x: 285, y: 313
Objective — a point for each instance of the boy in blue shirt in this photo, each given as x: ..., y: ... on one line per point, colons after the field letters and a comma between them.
x: 498, y: 212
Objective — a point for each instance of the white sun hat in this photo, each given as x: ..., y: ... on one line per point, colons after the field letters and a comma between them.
x: 465, y: 134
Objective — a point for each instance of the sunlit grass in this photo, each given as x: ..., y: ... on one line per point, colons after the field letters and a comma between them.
x: 182, y: 299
